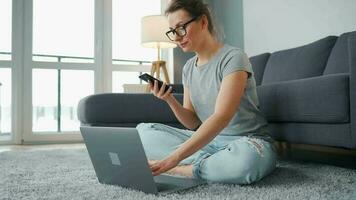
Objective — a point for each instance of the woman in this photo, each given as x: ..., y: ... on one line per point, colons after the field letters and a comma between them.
x: 227, y: 141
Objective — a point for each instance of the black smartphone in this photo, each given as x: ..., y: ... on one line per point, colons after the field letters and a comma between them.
x: 146, y: 77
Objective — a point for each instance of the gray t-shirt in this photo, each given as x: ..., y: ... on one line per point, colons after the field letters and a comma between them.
x: 204, y: 85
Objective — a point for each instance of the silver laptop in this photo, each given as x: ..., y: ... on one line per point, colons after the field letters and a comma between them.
x: 118, y: 158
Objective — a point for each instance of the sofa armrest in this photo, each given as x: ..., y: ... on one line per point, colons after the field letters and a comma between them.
x: 114, y: 108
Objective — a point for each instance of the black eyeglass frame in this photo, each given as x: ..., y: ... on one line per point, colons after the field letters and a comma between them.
x: 184, y: 26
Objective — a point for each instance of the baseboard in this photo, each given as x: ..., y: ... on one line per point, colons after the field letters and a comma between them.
x: 318, y: 154
x: 51, y: 142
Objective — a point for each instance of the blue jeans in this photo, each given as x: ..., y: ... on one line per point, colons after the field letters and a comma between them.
x: 226, y: 159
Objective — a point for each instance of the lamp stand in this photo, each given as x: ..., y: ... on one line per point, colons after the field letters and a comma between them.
x: 156, y: 69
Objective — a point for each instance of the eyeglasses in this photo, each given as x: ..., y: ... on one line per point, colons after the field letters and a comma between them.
x: 180, y: 30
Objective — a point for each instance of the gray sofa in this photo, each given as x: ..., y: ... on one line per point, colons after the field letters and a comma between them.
x: 308, y: 95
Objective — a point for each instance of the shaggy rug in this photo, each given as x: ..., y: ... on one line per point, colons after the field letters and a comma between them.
x: 68, y: 174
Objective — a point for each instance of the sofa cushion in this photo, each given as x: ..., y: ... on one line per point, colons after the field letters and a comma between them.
x: 297, y: 63
x: 258, y: 65
x: 323, y: 99
x: 111, y: 108
x: 339, y: 58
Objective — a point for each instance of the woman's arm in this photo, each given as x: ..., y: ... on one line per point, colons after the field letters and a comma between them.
x: 228, y: 101
x: 186, y: 113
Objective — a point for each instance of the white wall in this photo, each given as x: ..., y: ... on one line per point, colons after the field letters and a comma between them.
x: 280, y: 24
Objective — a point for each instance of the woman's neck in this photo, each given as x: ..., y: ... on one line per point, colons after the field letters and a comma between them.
x: 207, y: 50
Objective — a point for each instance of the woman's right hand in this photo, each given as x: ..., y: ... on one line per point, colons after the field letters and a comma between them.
x: 159, y: 93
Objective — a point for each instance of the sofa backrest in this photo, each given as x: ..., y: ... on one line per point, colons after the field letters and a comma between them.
x: 339, y: 58
x: 259, y: 64
x: 329, y: 55
x: 297, y: 63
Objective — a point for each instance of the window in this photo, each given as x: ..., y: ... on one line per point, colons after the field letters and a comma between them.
x: 5, y: 101
x: 63, y: 28
x: 61, y: 40
x: 126, y: 38
x: 5, y: 69
x: 44, y: 99
x: 127, y: 30
x: 56, y: 94
x: 5, y: 31
x: 72, y: 91
x: 50, y: 60
x: 121, y: 78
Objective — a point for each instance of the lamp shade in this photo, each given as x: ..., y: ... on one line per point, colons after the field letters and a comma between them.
x: 153, y: 32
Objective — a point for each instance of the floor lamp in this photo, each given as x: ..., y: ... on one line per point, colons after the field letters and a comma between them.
x: 153, y: 35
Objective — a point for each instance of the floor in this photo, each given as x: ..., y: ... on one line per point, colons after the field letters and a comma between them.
x: 331, y: 156
x: 4, y: 148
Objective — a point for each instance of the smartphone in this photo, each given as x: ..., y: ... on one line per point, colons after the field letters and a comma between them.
x: 146, y: 77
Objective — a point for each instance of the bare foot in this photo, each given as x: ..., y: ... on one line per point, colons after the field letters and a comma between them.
x: 183, y: 170
x: 151, y: 162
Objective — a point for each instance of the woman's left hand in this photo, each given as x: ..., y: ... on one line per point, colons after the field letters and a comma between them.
x: 161, y: 166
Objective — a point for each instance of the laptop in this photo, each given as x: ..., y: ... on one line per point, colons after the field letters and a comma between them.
x: 118, y: 158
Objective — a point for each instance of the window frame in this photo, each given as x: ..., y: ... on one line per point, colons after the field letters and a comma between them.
x: 28, y: 136
x: 7, y: 65
x: 10, y: 64
x: 22, y: 64
x: 166, y: 54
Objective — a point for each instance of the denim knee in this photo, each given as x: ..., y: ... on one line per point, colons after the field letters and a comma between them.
x: 225, y: 174
x: 243, y: 174
x: 143, y: 126
x: 197, y: 165
x: 238, y: 163
x: 160, y: 140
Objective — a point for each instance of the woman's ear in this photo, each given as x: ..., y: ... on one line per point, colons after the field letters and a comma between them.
x: 204, y: 22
